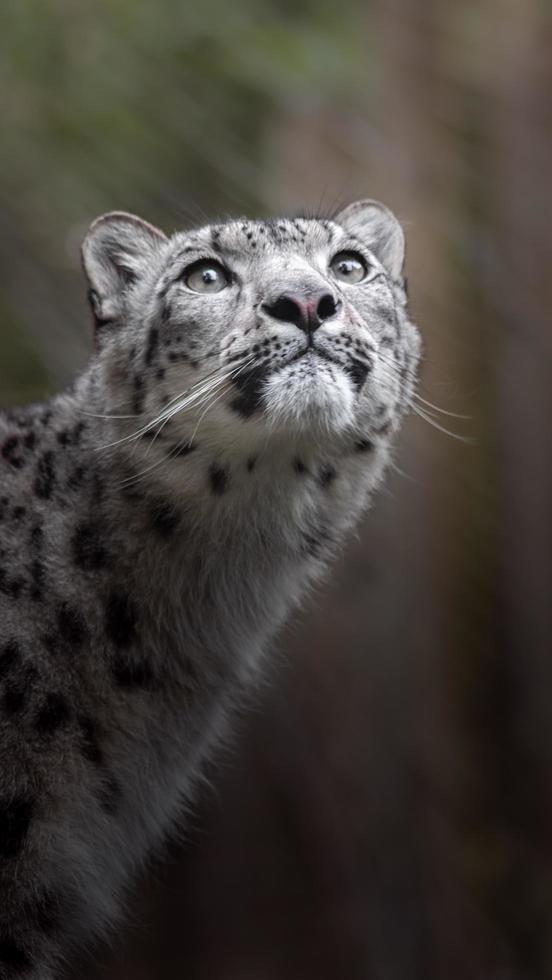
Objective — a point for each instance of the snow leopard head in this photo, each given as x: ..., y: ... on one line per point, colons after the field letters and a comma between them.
x: 246, y: 331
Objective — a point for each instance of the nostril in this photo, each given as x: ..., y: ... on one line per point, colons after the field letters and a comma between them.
x: 327, y: 307
x: 307, y: 311
x: 285, y: 309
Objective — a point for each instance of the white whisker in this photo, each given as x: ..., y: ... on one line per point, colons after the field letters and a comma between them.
x: 187, y: 403
x: 215, y: 383
x: 92, y: 415
x: 216, y: 399
x: 392, y: 365
x: 441, y: 428
x: 185, y: 399
x: 443, y: 411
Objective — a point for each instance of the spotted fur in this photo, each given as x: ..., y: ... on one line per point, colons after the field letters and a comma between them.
x: 158, y: 522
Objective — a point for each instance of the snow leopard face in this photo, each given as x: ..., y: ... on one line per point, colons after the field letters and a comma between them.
x: 247, y: 331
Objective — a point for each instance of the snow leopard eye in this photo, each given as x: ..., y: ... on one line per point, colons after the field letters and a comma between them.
x: 206, y: 276
x: 349, y: 267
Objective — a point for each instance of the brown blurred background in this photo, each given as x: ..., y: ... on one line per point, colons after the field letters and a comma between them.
x: 385, y: 812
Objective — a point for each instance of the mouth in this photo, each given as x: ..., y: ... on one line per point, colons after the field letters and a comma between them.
x: 311, y: 350
x: 356, y: 369
x: 251, y: 383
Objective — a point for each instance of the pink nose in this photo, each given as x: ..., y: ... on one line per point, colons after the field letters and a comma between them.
x: 308, y: 311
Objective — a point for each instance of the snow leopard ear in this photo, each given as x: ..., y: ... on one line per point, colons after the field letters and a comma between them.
x: 117, y: 249
x: 376, y: 226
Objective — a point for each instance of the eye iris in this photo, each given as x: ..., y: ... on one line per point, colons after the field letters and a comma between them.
x: 206, y: 277
x: 349, y: 267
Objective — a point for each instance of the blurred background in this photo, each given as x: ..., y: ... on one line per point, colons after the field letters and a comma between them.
x: 385, y: 812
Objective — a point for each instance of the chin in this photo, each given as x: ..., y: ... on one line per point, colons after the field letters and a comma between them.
x: 316, y: 398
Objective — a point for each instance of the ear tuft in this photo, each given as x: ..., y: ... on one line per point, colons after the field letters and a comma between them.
x: 376, y: 226
x: 115, y: 253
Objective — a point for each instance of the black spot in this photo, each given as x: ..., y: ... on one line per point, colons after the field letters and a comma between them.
x: 71, y: 625
x: 17, y: 585
x: 14, y: 956
x: 78, y: 431
x: 153, y: 342
x: 12, y: 587
x: 52, y: 715
x: 251, y: 463
x: 90, y: 744
x: 16, y: 814
x: 364, y: 446
x: 164, y: 519
x: 10, y: 657
x: 357, y: 371
x: 10, y: 452
x: 37, y: 536
x: 120, y: 619
x: 19, y: 512
x: 38, y: 575
x: 299, y: 466
x: 138, y: 395
x: 14, y: 698
x: 88, y: 551
x: 250, y: 385
x: 30, y: 441
x: 76, y: 478
x: 63, y: 437
x: 132, y: 674
x: 182, y: 449
x: 218, y: 478
x: 326, y: 475
x: 45, y: 478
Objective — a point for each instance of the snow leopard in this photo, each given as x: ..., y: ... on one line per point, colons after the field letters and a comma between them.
x: 160, y: 519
